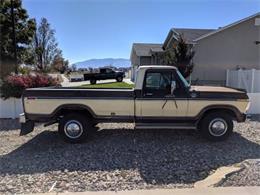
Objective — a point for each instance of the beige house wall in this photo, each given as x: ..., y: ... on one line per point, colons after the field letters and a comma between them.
x: 135, y: 60
x: 228, y: 49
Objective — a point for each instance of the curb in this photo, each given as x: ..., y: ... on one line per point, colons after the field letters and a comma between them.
x: 186, y: 191
x: 217, y: 177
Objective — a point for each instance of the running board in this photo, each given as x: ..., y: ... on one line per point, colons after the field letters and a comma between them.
x: 164, y: 126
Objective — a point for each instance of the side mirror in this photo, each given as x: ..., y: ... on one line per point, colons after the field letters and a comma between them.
x: 173, y: 87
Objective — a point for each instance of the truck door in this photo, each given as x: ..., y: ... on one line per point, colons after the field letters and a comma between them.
x: 111, y: 73
x: 157, y: 103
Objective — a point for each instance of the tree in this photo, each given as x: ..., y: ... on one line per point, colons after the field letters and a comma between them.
x: 180, y: 55
x: 184, y: 54
x: 74, y: 67
x: 59, y: 63
x: 44, y: 46
x: 24, y: 32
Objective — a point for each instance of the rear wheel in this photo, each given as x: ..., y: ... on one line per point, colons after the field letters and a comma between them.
x: 93, y: 81
x: 216, y: 126
x: 75, y: 128
x: 119, y: 79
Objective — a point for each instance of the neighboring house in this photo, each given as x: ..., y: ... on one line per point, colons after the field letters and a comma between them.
x: 149, y: 53
x: 216, y: 50
x: 144, y: 54
x: 189, y: 35
x: 231, y: 47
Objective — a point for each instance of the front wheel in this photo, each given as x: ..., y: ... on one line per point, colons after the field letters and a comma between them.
x: 74, y: 128
x: 216, y: 126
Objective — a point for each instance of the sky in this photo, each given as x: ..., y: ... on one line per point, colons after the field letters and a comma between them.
x: 87, y: 29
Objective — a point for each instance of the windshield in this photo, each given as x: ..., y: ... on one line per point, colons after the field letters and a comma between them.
x: 185, y: 82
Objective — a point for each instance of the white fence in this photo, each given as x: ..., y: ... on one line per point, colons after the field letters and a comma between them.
x: 10, y: 108
x: 248, y: 80
x: 244, y: 79
x: 255, y: 103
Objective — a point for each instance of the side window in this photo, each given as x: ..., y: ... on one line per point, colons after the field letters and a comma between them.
x: 153, y: 80
x: 109, y: 71
x: 102, y: 71
x: 158, y: 84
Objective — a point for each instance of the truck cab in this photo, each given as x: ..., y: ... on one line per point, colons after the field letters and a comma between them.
x: 161, y: 99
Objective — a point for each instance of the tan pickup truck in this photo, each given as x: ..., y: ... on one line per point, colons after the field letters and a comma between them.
x: 161, y: 99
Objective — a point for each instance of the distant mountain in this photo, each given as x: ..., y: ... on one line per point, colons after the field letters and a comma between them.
x: 97, y: 63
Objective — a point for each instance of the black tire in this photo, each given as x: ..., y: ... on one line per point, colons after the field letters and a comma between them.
x: 216, y: 126
x: 119, y: 79
x: 93, y: 81
x: 83, y: 128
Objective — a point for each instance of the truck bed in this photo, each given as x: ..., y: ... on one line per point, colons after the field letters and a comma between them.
x: 40, y: 104
x: 79, y: 92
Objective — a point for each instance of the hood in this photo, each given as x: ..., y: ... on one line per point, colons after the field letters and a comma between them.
x: 215, y: 92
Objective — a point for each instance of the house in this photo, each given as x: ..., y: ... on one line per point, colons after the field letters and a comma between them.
x: 234, y: 46
x: 143, y: 54
x: 189, y: 35
x: 231, y: 47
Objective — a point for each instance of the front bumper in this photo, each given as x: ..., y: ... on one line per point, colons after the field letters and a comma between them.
x: 27, y: 126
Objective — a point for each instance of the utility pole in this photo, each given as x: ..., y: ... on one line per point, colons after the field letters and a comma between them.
x: 14, y: 38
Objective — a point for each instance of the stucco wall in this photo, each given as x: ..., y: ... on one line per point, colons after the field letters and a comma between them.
x: 145, y: 60
x: 135, y: 60
x: 227, y: 49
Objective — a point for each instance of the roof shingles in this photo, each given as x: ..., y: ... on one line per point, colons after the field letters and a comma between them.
x: 191, y: 34
x: 144, y: 49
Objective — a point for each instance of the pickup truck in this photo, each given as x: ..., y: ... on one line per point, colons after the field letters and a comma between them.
x: 103, y: 74
x: 161, y: 99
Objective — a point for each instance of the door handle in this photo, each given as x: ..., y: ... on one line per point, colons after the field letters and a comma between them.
x: 170, y: 96
x: 149, y: 94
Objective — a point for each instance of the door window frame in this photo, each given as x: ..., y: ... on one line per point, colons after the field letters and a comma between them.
x: 175, y: 75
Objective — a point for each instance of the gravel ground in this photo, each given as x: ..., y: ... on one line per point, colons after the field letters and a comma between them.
x: 119, y: 158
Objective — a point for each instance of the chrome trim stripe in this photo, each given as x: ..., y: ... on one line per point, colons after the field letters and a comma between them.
x: 208, y: 99
x: 132, y: 98
x: 165, y: 127
x: 94, y: 98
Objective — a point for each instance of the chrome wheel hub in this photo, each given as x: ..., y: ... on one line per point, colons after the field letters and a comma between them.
x: 218, y: 127
x: 73, y: 129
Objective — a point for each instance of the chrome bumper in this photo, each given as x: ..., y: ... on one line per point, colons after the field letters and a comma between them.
x: 22, y: 118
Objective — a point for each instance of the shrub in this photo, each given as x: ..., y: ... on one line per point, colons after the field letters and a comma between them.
x: 24, y: 70
x: 14, y: 85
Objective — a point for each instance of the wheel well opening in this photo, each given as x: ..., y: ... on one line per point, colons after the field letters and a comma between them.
x: 82, y: 111
x: 219, y: 110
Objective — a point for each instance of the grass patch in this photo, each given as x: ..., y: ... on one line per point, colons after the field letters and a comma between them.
x: 109, y: 85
